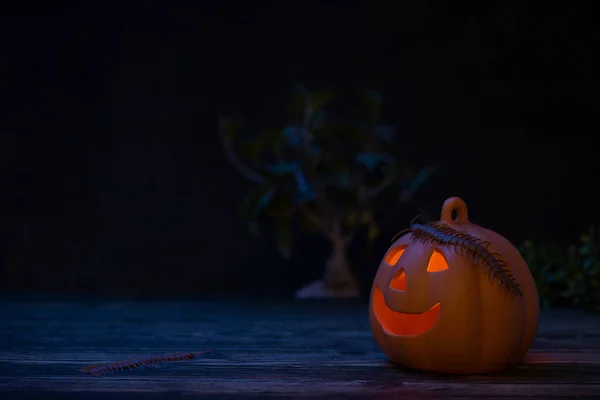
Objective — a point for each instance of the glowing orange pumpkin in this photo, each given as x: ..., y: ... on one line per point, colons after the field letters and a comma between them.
x: 451, y: 296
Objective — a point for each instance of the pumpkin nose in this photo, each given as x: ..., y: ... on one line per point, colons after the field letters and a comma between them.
x: 398, y: 281
x: 400, y: 299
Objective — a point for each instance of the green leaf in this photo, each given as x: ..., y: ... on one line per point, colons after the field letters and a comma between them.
x: 274, y: 140
x: 331, y: 134
x: 351, y: 219
x: 372, y: 160
x: 399, y: 170
x: 321, y: 99
x: 283, y: 168
x: 568, y: 275
x: 373, y: 232
x: 229, y: 127
x: 304, y: 188
x: 306, y: 224
x: 584, y: 238
x: 252, y: 148
x: 366, y: 217
x: 340, y: 179
x: 354, y: 219
x: 293, y: 135
x: 257, y: 200
x: 282, y: 206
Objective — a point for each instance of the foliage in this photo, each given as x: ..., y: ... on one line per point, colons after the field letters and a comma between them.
x: 566, y: 276
x: 326, y: 173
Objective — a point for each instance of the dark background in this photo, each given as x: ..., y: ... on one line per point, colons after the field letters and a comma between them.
x: 115, y: 181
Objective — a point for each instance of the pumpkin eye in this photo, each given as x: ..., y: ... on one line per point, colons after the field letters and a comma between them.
x: 437, y: 262
x: 394, y: 255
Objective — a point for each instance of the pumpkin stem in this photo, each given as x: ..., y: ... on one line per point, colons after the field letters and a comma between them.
x: 458, y: 205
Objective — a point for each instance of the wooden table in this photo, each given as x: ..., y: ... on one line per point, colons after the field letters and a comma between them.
x: 286, y: 350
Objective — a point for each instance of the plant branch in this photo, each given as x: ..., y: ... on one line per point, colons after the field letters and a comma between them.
x: 322, y: 203
x: 367, y: 193
x: 317, y: 220
x: 244, y: 169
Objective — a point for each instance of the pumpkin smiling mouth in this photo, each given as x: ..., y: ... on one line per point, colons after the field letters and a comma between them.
x: 402, y: 324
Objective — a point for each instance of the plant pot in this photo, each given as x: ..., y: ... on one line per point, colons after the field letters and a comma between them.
x: 338, y: 281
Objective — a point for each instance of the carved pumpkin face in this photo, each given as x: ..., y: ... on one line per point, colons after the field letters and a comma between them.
x: 413, y: 322
x: 453, y: 297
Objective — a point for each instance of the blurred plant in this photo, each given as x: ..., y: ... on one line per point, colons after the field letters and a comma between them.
x: 566, y: 277
x: 328, y: 175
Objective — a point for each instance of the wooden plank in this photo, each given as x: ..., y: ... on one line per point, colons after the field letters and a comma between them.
x: 565, y: 357
x: 291, y: 349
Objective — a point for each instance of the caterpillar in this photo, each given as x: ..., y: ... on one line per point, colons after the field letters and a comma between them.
x: 473, y: 248
x: 101, y: 369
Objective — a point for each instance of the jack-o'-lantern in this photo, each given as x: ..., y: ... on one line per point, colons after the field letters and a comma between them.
x: 451, y: 296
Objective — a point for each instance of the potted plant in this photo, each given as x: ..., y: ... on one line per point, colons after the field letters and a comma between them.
x: 569, y: 275
x: 327, y: 174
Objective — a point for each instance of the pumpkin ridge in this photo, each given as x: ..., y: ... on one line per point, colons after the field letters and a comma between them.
x: 469, y: 246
